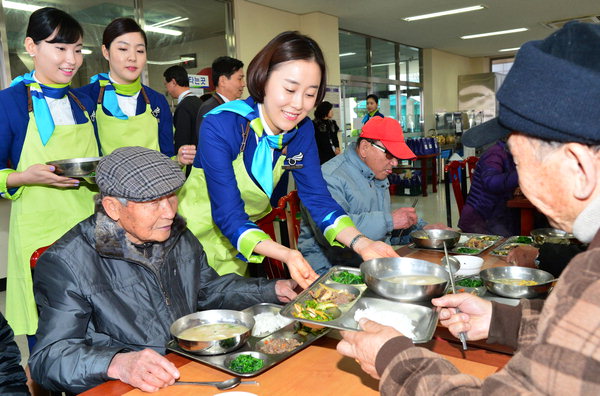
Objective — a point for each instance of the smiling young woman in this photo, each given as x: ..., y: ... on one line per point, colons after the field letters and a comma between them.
x: 43, y: 119
x: 244, y: 148
x: 129, y: 113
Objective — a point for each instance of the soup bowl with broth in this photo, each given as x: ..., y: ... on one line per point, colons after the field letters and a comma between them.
x: 405, y: 279
x: 212, y: 332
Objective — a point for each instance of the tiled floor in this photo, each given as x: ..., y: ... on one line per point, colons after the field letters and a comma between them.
x: 431, y: 208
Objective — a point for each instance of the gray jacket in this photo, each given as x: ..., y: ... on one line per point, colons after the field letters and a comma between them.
x: 365, y: 199
x: 98, y: 294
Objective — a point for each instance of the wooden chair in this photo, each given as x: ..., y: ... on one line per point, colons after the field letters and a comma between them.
x: 286, y: 212
x: 455, y: 175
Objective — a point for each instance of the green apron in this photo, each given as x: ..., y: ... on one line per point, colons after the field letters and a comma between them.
x: 42, y: 214
x: 140, y: 130
x: 195, y: 207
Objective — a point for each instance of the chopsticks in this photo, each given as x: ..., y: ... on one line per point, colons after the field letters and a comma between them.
x: 462, y: 336
x: 415, y: 203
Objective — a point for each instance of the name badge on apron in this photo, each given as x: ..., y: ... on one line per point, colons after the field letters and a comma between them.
x: 292, y: 162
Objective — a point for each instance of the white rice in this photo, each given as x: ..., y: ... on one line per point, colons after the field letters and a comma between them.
x: 393, y: 319
x: 268, y: 322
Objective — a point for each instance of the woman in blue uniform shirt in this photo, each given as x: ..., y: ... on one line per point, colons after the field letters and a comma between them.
x: 129, y: 113
x: 244, y: 147
x: 43, y: 119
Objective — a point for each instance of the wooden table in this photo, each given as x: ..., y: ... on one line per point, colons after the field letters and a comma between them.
x: 317, y: 370
x: 527, y: 212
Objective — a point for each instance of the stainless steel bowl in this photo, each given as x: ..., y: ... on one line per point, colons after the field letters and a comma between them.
x: 434, y: 239
x: 491, y: 276
x: 551, y: 235
x: 376, y: 273
x: 213, y: 316
x: 75, y: 167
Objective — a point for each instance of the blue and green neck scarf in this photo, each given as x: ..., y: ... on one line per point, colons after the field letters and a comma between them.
x: 262, y: 161
x: 369, y: 115
x: 41, y: 111
x: 111, y: 89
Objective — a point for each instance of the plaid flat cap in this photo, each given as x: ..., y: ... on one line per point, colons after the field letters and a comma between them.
x: 138, y: 174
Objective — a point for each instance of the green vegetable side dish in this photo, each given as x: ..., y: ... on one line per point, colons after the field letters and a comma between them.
x: 347, y: 278
x: 470, y: 282
x: 246, y: 364
x: 523, y: 239
x: 467, y: 250
x: 314, y: 310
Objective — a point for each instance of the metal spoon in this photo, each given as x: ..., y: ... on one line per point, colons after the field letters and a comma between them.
x: 221, y: 385
x: 462, y: 336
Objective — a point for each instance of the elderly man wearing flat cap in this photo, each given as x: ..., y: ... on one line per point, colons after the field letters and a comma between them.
x: 549, y: 104
x: 109, y: 289
x: 357, y: 180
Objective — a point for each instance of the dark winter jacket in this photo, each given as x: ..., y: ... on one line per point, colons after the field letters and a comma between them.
x: 98, y: 294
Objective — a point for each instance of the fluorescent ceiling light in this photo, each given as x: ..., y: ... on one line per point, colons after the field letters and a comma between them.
x: 19, y: 6
x: 509, y: 49
x: 170, y: 21
x: 347, y: 54
x: 170, y: 32
x: 472, y: 36
x: 86, y: 51
x: 442, y: 13
x: 171, y: 62
x: 383, y: 64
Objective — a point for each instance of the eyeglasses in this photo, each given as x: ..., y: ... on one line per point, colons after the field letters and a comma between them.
x: 388, y: 155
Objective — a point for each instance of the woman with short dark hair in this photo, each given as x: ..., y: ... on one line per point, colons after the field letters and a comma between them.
x: 129, y: 113
x: 43, y: 119
x: 326, y: 131
x: 244, y: 148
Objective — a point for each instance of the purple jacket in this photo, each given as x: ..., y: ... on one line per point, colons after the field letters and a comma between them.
x: 494, y: 182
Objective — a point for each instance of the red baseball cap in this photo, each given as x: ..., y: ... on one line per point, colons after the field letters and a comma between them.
x: 389, y: 132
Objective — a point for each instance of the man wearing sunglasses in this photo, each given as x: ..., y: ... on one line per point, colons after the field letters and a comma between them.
x: 358, y: 181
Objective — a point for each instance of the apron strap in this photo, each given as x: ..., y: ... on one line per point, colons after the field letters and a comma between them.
x: 101, y: 94
x: 29, y: 101
x: 245, y: 133
x: 143, y: 91
x: 77, y: 101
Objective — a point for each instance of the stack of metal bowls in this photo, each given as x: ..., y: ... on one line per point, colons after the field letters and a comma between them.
x: 214, y: 316
x: 492, y: 278
x: 379, y: 273
x: 434, y: 239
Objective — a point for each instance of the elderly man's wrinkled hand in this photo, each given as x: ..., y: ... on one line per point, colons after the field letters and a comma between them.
x: 146, y: 370
x: 285, y: 290
x: 474, y: 319
x: 523, y: 256
x: 363, y: 346
x: 404, y: 218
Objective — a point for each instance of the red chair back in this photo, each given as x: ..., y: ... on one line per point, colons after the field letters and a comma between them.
x: 36, y: 255
x: 471, y: 164
x: 286, y: 212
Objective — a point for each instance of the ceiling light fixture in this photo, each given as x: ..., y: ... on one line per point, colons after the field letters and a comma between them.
x: 170, y: 32
x: 509, y: 49
x: 443, y: 13
x: 86, y: 51
x: 170, y: 21
x: 472, y: 36
x: 19, y: 6
x: 171, y: 62
x: 347, y: 54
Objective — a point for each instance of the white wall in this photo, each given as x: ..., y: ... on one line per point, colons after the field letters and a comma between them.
x: 440, y: 80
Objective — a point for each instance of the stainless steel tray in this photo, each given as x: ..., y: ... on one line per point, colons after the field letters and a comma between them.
x: 423, y: 316
x: 464, y: 238
x: 509, y: 244
x: 221, y: 362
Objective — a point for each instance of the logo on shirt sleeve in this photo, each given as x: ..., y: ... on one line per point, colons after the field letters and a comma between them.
x: 293, y: 162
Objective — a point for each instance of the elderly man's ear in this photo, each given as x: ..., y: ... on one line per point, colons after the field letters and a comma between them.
x: 582, y: 163
x: 112, y: 207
